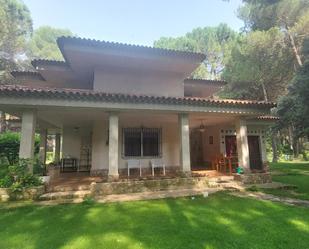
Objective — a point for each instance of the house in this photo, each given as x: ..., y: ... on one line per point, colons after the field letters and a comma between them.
x: 108, y: 103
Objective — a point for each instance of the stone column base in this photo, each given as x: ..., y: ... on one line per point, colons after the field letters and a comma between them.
x: 254, y: 178
x: 113, y: 178
x: 185, y: 173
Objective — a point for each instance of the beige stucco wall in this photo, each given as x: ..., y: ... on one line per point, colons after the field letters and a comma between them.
x: 138, y: 82
x: 72, y: 140
x: 170, y: 142
x: 98, y: 133
x: 99, y: 145
x: 211, y: 150
x: 256, y: 130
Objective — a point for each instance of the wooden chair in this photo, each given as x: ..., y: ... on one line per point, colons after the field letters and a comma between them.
x: 222, y: 163
x: 134, y: 164
x: 232, y: 163
x: 157, y: 163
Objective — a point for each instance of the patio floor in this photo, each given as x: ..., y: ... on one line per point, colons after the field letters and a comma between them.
x: 81, y: 180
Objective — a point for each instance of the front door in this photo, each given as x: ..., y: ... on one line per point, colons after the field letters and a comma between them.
x: 196, y: 149
x: 230, y: 146
x: 255, y: 153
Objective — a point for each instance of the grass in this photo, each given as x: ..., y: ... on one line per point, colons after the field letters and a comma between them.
x: 291, y: 173
x: 219, y: 221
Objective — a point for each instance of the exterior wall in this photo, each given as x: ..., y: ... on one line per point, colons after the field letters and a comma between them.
x: 200, y: 90
x: 211, y: 150
x: 99, y: 145
x: 170, y: 143
x: 256, y: 130
x: 72, y: 140
x: 139, y: 83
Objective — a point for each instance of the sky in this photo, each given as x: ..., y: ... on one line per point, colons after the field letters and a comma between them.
x: 133, y: 21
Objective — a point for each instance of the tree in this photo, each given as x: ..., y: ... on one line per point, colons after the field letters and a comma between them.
x: 215, y: 42
x: 15, y: 30
x: 259, y: 66
x: 43, y: 43
x: 290, y: 16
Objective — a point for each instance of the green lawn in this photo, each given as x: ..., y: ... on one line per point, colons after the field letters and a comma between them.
x: 291, y: 173
x: 219, y: 221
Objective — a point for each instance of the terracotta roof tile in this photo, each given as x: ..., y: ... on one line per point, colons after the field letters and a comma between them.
x: 119, y: 46
x: 268, y: 117
x: 37, y: 62
x: 80, y: 94
x: 27, y: 73
x: 206, y: 81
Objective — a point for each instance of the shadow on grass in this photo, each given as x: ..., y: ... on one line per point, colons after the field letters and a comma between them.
x: 220, y: 221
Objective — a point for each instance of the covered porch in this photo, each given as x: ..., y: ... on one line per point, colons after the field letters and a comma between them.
x: 102, y: 143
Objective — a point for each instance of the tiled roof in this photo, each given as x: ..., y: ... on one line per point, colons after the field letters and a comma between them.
x: 268, y: 118
x: 27, y: 73
x: 127, y: 47
x: 37, y: 62
x: 206, y: 81
x: 91, y: 95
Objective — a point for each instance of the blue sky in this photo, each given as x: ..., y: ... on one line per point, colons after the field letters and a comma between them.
x: 133, y: 21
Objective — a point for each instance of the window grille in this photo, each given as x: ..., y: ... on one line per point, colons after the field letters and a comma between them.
x: 142, y: 142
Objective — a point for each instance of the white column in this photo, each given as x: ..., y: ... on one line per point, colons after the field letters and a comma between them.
x: 113, y: 146
x: 184, y: 134
x: 43, y: 144
x: 242, y: 145
x: 263, y: 152
x: 28, y: 123
x: 57, y: 147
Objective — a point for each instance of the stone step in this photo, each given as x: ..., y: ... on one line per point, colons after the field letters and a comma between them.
x: 138, y: 196
x: 80, y: 194
x: 67, y: 188
x: 157, y: 195
x: 221, y: 179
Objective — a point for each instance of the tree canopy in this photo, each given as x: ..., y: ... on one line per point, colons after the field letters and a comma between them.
x: 43, y: 42
x: 259, y: 66
x: 214, y: 42
x: 15, y: 31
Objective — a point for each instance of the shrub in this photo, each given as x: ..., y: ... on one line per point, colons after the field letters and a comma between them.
x: 38, y: 167
x: 253, y: 188
x: 18, y: 177
x: 9, y: 146
x: 88, y: 200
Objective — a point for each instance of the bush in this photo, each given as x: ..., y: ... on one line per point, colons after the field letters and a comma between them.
x: 38, y: 167
x: 253, y: 188
x: 9, y: 146
x: 17, y: 177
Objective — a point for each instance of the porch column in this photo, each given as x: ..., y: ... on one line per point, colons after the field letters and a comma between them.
x: 113, y: 146
x: 242, y: 145
x: 43, y: 144
x: 57, y: 147
x: 28, y: 123
x: 184, y: 135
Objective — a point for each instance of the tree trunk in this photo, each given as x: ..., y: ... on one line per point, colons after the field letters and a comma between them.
x: 296, y: 148
x: 274, y: 145
x: 264, y: 91
x: 2, y: 122
x: 295, y: 50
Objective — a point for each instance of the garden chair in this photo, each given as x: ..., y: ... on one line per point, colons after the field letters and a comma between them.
x: 134, y: 164
x: 157, y: 163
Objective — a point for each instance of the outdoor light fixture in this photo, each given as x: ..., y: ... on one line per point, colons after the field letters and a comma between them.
x: 202, y: 126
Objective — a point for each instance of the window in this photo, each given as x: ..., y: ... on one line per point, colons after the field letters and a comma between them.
x: 142, y: 142
x: 211, y: 140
